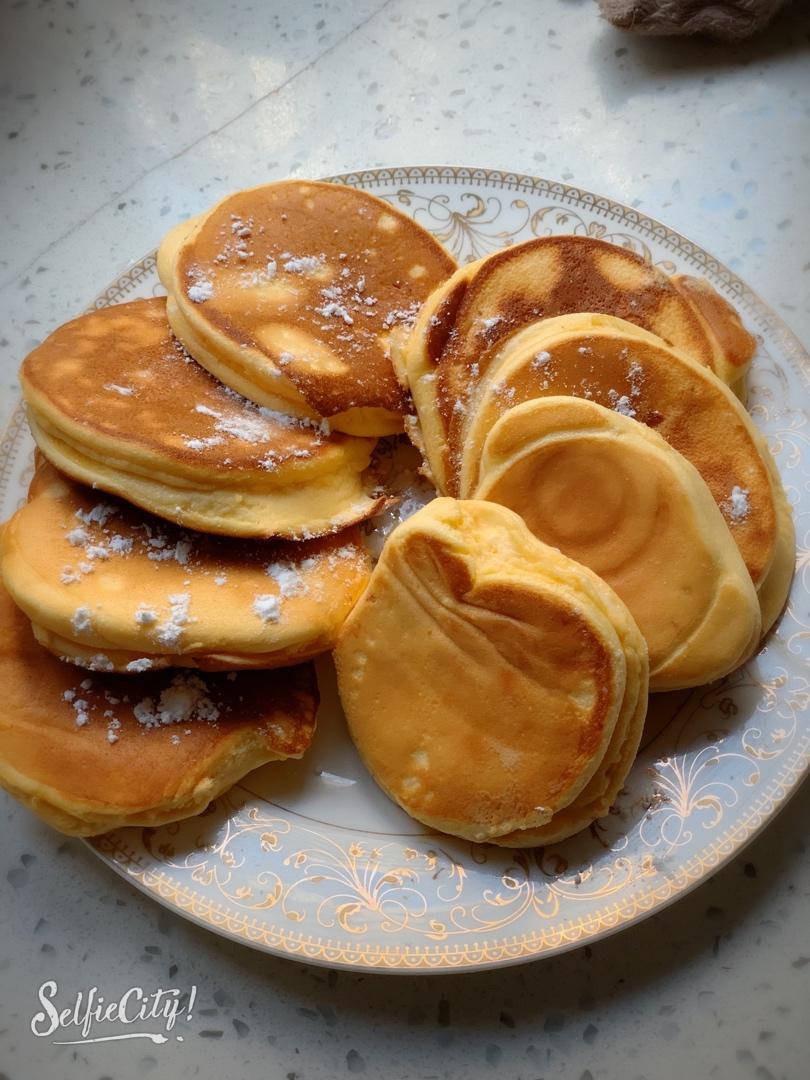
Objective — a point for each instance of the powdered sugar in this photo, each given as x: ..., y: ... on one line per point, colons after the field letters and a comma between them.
x: 184, y: 700
x: 99, y: 662
x: 77, y: 537
x: 635, y: 372
x: 200, y: 287
x: 204, y: 444
x: 625, y: 403
x: 504, y: 392
x: 145, y: 616
x: 253, y: 424
x: 738, y: 504
x: 288, y: 578
x: 98, y: 515
x: 304, y: 264
x: 162, y: 551
x: 405, y: 316
x: 621, y: 404
x: 121, y: 545
x: 200, y: 291
x: 335, y: 310
x: 267, y: 607
x: 82, y: 712
x: 252, y: 278
x: 82, y: 620
x: 141, y: 665
x: 170, y: 631
x: 487, y: 325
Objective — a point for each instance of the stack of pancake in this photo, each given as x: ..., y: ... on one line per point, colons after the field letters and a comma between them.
x: 573, y: 382
x: 513, y: 709
x: 612, y: 522
x: 174, y: 523
x: 567, y: 381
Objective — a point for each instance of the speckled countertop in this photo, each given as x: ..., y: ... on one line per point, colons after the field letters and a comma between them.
x: 119, y: 118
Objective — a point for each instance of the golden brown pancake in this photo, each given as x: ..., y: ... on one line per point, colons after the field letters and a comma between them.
x: 774, y: 590
x: 468, y: 319
x: 115, y: 401
x: 735, y: 347
x: 113, y: 588
x: 91, y: 753
x: 626, y: 369
x: 775, y: 586
x: 288, y: 293
x: 613, y: 495
x: 490, y: 684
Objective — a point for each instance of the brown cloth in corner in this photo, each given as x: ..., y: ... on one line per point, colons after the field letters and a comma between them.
x: 731, y: 20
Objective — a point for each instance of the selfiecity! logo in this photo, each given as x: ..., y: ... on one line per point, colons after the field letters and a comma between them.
x: 89, y: 1009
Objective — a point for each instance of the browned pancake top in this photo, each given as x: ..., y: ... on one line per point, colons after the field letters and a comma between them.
x: 320, y: 264
x: 120, y: 376
x: 689, y: 410
x: 557, y: 275
x: 736, y: 344
x: 112, y: 758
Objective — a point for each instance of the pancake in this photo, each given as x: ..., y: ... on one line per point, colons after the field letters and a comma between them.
x: 613, y: 495
x: 773, y: 592
x: 734, y: 346
x: 93, y: 753
x: 775, y: 587
x: 112, y: 588
x: 466, y: 321
x: 115, y: 402
x: 621, y: 367
x: 288, y: 293
x: 516, y: 698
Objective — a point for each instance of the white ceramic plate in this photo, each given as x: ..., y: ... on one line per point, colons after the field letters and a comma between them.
x: 327, y: 870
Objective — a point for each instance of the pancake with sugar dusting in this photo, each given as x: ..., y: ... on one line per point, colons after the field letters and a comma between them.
x: 517, y: 697
x: 463, y: 324
x: 115, y: 402
x: 613, y: 495
x: 624, y: 368
x: 288, y: 293
x: 112, y: 588
x: 91, y: 753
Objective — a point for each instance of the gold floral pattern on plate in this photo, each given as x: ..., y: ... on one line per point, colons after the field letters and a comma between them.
x: 339, y: 877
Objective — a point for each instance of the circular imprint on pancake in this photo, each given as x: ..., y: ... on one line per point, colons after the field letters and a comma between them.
x: 571, y: 496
